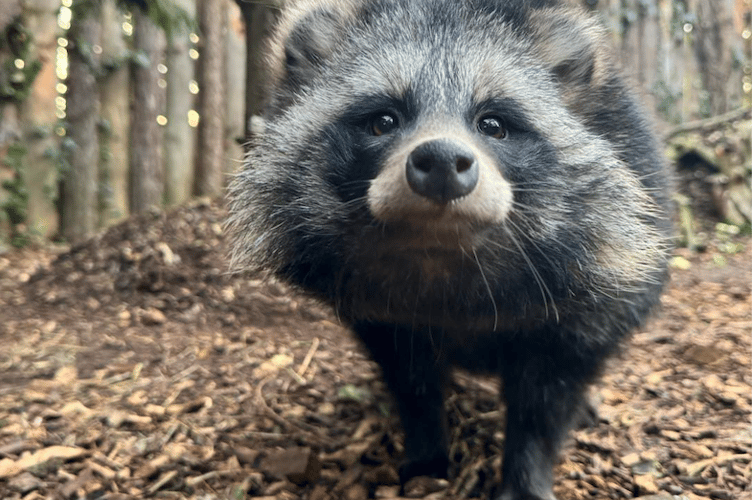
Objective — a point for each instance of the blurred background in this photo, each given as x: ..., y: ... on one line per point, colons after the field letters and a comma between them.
x: 113, y: 107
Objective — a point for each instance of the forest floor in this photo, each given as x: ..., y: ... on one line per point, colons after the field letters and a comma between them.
x: 135, y: 366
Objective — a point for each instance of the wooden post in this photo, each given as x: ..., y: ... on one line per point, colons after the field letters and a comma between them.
x: 180, y: 137
x: 38, y: 118
x: 146, y: 176
x: 79, y: 208
x: 258, y: 18
x: 209, y: 175
x: 115, y: 111
x: 235, y: 75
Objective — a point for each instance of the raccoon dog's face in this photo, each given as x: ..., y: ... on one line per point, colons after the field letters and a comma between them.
x: 430, y: 133
x: 430, y: 124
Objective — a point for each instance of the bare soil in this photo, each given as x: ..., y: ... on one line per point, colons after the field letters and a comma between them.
x: 135, y: 366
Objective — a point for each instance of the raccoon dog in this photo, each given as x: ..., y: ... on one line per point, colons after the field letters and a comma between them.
x: 469, y: 183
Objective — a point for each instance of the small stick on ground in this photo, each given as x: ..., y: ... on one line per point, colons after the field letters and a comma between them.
x: 309, y: 357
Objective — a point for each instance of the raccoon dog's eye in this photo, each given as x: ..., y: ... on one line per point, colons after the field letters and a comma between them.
x: 383, y: 123
x: 492, y: 126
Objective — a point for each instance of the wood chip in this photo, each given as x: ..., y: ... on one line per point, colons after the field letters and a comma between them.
x: 162, y: 481
x: 9, y: 468
x: 696, y: 468
x: 646, y: 484
x: 298, y: 465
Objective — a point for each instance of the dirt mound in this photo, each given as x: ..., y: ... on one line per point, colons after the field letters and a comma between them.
x: 160, y: 266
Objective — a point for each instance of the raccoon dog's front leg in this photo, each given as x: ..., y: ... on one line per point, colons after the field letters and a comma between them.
x: 416, y: 378
x: 544, y: 390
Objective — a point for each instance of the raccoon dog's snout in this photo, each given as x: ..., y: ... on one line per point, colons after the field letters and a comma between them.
x: 442, y: 170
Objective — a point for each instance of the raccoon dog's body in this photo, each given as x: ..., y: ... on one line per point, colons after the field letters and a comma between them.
x: 469, y: 183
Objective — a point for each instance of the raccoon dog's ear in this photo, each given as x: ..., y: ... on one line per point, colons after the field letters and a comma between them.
x: 311, y: 41
x: 305, y: 36
x: 572, y: 45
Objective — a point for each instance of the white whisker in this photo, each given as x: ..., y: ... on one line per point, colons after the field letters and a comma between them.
x: 488, y: 287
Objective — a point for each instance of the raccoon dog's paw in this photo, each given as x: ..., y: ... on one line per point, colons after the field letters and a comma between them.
x: 524, y: 496
x: 436, y: 466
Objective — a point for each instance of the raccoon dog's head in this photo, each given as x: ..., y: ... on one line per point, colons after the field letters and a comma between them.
x: 421, y: 136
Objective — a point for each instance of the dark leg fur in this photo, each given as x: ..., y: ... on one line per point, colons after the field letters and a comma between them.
x: 416, y: 379
x: 545, y: 393
x: 544, y: 388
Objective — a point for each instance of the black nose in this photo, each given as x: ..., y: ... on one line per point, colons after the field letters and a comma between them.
x: 442, y: 170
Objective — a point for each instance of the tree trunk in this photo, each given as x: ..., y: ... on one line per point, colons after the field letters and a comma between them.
x: 79, y: 208
x: 713, y: 52
x: 235, y: 60
x: 115, y: 113
x: 146, y: 180
x: 38, y: 118
x: 211, y: 97
x: 258, y: 19
x: 180, y: 137
x: 743, y: 24
x: 10, y: 128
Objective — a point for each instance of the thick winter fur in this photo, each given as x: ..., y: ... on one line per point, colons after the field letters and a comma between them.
x: 536, y: 274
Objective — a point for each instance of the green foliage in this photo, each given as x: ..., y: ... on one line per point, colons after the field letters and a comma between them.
x: 727, y: 237
x: 667, y: 102
x: 105, y: 190
x: 704, y: 101
x: 354, y: 393
x: 59, y: 156
x: 166, y: 14
x: 14, y: 208
x: 688, y: 236
x: 681, y: 16
x: 171, y: 18
x: 16, y: 82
